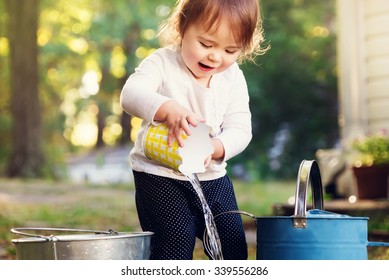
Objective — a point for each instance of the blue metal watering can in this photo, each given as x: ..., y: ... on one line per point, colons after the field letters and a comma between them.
x: 315, y: 234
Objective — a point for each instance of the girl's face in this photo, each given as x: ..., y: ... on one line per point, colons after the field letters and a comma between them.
x: 206, y: 53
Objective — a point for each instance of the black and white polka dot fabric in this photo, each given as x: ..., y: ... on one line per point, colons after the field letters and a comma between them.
x: 172, y: 210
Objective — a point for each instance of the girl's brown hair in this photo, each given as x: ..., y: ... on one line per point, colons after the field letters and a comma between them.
x: 243, y: 17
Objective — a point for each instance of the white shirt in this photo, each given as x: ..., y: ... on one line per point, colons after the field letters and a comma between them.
x: 224, y: 106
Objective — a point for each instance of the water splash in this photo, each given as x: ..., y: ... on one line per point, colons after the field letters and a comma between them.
x: 212, y: 240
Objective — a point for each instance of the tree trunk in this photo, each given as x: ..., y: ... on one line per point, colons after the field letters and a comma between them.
x: 101, y: 115
x: 26, y: 158
x: 125, y: 122
x: 130, y: 43
x: 101, y: 99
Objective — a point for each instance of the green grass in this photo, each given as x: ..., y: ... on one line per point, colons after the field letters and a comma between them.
x: 49, y: 204
x: 258, y: 198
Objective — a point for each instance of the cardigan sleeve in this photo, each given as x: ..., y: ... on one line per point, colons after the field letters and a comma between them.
x: 139, y: 96
x: 236, y: 128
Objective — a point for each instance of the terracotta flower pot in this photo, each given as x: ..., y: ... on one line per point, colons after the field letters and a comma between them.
x: 372, y: 181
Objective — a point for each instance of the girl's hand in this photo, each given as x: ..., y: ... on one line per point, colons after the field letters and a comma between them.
x: 218, y: 149
x: 218, y: 152
x: 177, y: 119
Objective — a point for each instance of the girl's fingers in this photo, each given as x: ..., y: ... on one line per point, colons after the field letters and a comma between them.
x: 170, y: 136
x: 185, y: 126
x: 178, y: 135
x: 176, y: 129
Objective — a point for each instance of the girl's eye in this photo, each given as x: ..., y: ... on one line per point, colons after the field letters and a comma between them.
x: 230, y: 52
x: 205, y: 45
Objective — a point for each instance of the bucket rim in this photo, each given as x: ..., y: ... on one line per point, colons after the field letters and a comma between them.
x: 82, y: 237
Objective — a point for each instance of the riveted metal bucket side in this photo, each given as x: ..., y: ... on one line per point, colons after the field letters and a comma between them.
x: 118, y: 246
x: 126, y: 248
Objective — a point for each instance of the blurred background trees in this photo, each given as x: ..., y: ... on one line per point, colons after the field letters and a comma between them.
x: 294, y: 87
x: 86, y: 50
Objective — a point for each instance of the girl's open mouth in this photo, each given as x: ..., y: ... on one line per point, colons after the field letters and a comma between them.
x: 205, y: 67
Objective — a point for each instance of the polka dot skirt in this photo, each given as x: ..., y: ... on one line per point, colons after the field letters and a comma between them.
x: 172, y: 210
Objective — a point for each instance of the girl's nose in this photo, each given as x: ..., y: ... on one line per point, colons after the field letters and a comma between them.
x: 214, y: 56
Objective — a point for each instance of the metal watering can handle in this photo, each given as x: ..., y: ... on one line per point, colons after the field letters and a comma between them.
x: 308, y: 172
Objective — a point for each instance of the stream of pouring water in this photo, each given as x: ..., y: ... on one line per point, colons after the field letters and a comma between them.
x: 212, y: 245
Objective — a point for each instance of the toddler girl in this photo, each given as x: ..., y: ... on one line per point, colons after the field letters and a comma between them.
x: 194, y: 78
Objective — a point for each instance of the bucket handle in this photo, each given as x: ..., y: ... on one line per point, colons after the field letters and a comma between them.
x: 236, y: 212
x: 206, y: 240
x: 308, y: 172
x: 19, y: 231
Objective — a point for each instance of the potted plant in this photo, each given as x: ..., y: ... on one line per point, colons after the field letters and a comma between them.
x: 371, y: 165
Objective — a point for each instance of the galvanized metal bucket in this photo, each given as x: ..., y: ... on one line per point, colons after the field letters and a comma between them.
x: 84, y: 245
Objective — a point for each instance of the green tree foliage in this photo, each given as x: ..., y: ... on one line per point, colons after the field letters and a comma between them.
x: 75, y: 37
x: 293, y: 88
x: 93, y: 36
